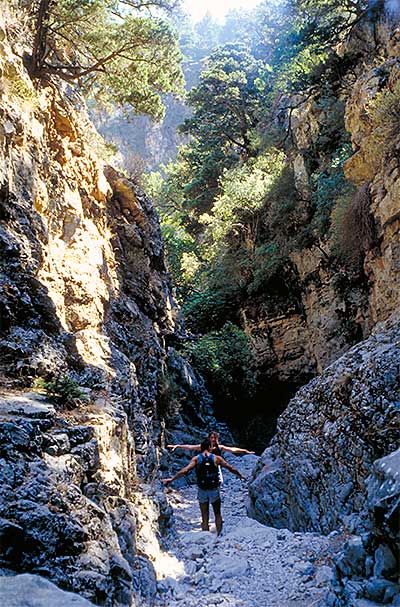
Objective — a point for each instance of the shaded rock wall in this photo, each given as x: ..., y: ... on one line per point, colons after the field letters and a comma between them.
x: 369, y: 564
x: 334, y: 312
x: 313, y: 477
x: 332, y: 466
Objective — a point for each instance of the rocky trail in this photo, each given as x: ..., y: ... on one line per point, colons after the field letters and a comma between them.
x: 249, y: 565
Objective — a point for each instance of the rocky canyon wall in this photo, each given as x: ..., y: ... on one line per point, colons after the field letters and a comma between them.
x: 337, y: 309
x: 85, y: 299
x: 332, y: 464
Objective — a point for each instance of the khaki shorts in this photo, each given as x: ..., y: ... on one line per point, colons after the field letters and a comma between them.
x: 208, y: 495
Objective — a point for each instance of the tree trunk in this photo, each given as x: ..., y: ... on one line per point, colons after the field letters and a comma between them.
x: 40, y: 40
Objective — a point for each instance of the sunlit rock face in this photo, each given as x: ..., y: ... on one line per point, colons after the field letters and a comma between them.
x: 84, y: 285
x: 83, y: 291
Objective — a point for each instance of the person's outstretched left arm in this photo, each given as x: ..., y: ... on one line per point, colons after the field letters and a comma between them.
x: 235, y: 450
x: 221, y: 462
x: 181, y: 472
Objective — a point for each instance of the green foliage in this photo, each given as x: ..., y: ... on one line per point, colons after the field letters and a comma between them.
x: 115, y: 54
x: 294, y: 39
x: 329, y: 185
x: 62, y: 389
x: 224, y: 112
x: 17, y: 86
x: 243, y: 193
x: 267, y: 264
x: 181, y: 255
x: 104, y: 149
x: 232, y: 211
x: 286, y: 215
x: 212, y: 307
x: 181, y: 247
x: 224, y: 358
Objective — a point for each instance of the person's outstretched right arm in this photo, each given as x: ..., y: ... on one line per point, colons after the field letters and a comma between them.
x: 181, y: 472
x: 236, y: 450
x: 221, y: 462
x: 184, y: 447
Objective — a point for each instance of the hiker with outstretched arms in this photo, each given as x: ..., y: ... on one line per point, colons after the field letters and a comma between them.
x: 206, y: 464
x: 216, y: 448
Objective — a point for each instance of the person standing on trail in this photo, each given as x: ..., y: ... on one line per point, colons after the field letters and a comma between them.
x: 208, y: 482
x: 216, y: 449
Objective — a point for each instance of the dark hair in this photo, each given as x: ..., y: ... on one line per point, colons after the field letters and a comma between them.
x: 205, y: 445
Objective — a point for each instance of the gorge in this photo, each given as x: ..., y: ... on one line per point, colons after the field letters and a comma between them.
x: 257, y: 278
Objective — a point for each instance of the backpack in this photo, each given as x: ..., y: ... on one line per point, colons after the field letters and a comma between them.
x: 207, y: 472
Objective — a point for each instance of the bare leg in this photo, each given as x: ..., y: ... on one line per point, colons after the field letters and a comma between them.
x: 204, y: 509
x: 217, y: 513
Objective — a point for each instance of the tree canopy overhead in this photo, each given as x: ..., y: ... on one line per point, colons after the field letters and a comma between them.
x: 121, y: 51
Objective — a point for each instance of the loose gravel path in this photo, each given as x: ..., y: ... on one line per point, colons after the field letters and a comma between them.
x: 250, y: 565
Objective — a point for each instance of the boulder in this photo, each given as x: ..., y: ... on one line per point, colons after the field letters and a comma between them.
x: 27, y: 590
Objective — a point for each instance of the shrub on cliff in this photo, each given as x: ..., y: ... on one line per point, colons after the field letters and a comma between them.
x: 384, y: 114
x: 61, y: 389
x: 354, y: 227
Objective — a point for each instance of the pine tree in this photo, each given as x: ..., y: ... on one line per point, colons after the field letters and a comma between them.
x: 109, y: 48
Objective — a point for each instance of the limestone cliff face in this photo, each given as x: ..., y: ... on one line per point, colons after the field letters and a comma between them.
x: 335, y: 312
x: 331, y: 463
x: 376, y: 162
x: 84, y: 285
x: 84, y: 294
x: 338, y: 436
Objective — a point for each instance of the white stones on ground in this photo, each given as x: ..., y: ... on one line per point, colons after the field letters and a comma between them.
x: 199, y: 538
x: 230, y: 567
x: 250, y: 565
x: 28, y: 590
x: 324, y: 575
x: 248, y: 530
